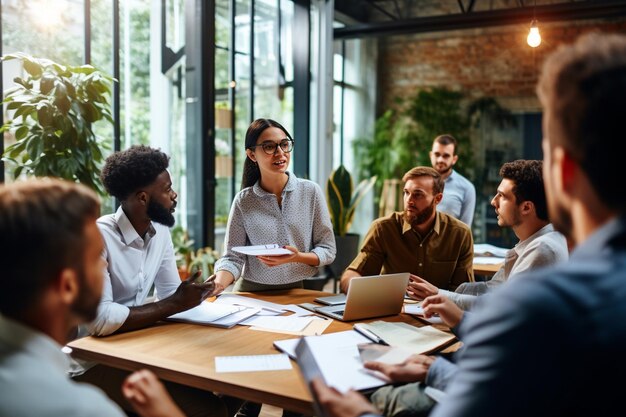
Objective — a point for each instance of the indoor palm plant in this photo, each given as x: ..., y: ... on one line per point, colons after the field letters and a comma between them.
x: 343, y: 200
x: 52, y: 110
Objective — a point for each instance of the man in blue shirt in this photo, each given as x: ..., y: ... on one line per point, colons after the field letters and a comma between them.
x: 547, y: 344
x: 459, y: 194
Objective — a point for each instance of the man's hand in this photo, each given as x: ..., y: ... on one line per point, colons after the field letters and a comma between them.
x: 418, y: 288
x: 414, y: 369
x: 190, y: 293
x: 350, y: 404
x: 449, y: 312
x: 282, y: 259
x: 148, y: 396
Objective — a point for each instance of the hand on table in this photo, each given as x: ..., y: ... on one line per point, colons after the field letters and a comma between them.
x: 148, y: 396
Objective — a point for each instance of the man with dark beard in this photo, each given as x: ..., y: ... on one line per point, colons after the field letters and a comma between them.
x: 459, y: 195
x: 138, y: 254
x: 51, y: 281
x: 421, y: 240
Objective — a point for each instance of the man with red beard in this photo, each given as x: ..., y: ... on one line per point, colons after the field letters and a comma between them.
x: 459, y: 196
x: 421, y: 240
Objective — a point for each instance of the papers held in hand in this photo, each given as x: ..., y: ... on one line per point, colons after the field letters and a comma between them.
x: 262, y: 250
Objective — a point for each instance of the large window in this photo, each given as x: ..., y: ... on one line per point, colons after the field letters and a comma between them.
x: 142, y: 43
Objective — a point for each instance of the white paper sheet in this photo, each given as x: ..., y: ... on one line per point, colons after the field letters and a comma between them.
x: 298, y: 311
x: 417, y: 310
x: 252, y: 363
x: 337, y: 357
x: 267, y: 308
x: 287, y: 323
x: 485, y: 249
x: 487, y: 260
x: 205, y: 313
x: 338, y: 338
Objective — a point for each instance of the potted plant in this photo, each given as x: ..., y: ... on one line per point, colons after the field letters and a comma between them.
x: 188, y: 260
x: 53, y: 109
x: 343, y: 200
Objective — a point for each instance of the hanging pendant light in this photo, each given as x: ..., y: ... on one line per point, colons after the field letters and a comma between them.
x: 534, y: 38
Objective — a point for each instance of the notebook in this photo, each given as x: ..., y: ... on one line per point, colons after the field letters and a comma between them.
x: 374, y: 296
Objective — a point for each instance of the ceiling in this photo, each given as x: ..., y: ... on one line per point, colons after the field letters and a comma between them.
x: 390, y: 17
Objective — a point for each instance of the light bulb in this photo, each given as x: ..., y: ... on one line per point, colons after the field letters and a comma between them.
x: 534, y: 38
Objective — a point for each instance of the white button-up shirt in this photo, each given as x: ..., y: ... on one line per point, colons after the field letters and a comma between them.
x: 133, y: 265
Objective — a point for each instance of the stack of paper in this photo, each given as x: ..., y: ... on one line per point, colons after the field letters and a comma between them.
x: 213, y: 314
x: 486, y: 254
x: 485, y: 249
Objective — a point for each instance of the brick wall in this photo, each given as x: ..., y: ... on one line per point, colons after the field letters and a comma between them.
x: 493, y: 62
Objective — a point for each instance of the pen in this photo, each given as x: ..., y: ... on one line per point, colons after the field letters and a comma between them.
x: 370, y: 335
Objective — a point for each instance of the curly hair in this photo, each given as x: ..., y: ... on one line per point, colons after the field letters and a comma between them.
x: 127, y: 171
x: 528, y: 179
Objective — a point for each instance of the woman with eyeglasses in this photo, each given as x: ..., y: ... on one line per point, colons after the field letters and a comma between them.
x: 274, y: 207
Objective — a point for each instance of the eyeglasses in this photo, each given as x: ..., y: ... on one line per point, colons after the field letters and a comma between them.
x: 270, y: 148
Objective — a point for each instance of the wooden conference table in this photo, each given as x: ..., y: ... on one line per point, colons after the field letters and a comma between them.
x: 185, y: 353
x: 486, y: 270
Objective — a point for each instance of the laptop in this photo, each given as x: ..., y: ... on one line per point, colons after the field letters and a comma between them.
x: 374, y: 296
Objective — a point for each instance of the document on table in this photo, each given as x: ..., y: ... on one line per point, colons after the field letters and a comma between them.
x: 316, y: 327
x: 487, y: 260
x: 345, y: 338
x: 287, y: 323
x: 267, y: 308
x: 252, y: 363
x: 262, y: 250
x: 206, y: 313
x: 485, y: 249
x: 417, y: 310
x: 415, y: 339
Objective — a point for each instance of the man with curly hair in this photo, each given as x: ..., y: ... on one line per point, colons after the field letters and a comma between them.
x: 138, y: 254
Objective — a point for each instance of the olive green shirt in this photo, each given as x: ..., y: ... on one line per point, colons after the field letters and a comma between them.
x: 444, y: 257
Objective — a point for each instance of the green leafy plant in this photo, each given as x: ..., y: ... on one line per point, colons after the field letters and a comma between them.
x: 343, y: 199
x: 54, y: 107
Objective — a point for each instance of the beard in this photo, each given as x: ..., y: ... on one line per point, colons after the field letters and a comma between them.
x: 421, y: 216
x: 86, y: 304
x: 443, y: 169
x: 160, y: 214
x: 560, y: 218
